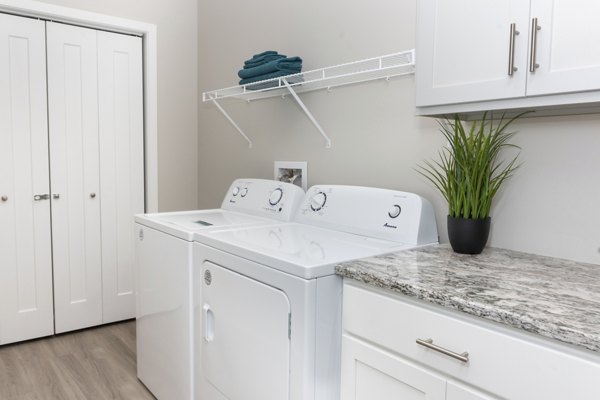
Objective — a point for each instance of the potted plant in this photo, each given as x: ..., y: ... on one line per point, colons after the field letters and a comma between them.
x: 469, y: 173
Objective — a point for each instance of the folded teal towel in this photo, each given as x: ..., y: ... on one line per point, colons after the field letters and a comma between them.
x: 270, y: 75
x: 263, y: 60
x: 261, y: 57
x: 288, y: 64
x: 273, y: 84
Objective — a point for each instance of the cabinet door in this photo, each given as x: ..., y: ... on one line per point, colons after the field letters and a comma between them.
x: 25, y: 243
x: 74, y: 167
x: 567, y: 46
x: 121, y: 167
x: 462, y: 50
x: 370, y: 373
x: 457, y: 391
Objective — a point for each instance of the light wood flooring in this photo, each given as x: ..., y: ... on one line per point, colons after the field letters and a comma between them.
x: 93, y: 364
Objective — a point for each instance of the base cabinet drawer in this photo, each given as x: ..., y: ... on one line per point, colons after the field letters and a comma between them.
x: 501, y: 363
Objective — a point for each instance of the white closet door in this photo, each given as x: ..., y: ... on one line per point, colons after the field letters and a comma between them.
x: 121, y: 167
x: 25, y: 243
x: 74, y: 169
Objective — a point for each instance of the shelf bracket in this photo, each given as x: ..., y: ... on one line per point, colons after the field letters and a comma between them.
x: 231, y: 121
x: 308, y: 114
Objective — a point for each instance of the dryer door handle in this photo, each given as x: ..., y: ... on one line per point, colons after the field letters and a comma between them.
x: 209, y: 323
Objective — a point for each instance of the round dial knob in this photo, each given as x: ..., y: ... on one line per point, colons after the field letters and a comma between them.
x: 235, y: 191
x: 318, y: 201
x: 275, y: 196
x: 395, y: 211
x: 244, y: 192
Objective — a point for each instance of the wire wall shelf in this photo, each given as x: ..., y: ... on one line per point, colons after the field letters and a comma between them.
x: 383, y: 67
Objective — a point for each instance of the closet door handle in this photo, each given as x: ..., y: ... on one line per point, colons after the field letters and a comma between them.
x: 464, y: 357
x: 56, y: 196
x: 511, y: 49
x: 40, y: 197
x: 4, y: 198
x: 533, y: 65
x: 93, y: 195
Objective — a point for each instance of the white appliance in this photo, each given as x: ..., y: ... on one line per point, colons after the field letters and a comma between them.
x: 267, y: 302
x: 164, y: 277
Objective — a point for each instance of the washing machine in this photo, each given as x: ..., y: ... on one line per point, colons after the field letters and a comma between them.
x: 267, y: 302
x: 164, y: 277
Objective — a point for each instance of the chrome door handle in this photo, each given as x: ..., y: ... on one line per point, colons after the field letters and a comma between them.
x: 40, y: 197
x: 533, y: 50
x: 56, y: 196
x: 93, y: 195
x: 511, y: 49
x: 464, y: 357
x: 4, y: 198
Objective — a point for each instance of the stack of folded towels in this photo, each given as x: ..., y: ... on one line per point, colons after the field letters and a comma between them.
x: 268, y: 65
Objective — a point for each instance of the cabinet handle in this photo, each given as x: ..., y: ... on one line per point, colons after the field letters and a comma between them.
x: 93, y: 195
x: 464, y: 357
x: 40, y: 197
x: 534, y: 30
x: 4, y: 198
x: 511, y: 49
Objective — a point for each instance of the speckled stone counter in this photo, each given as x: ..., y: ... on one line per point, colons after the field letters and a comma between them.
x: 555, y: 298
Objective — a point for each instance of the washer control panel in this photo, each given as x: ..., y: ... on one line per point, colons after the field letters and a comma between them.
x: 264, y: 198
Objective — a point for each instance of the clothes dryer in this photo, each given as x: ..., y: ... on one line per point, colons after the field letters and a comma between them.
x: 267, y: 302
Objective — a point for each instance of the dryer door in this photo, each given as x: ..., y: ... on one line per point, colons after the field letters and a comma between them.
x: 246, y: 343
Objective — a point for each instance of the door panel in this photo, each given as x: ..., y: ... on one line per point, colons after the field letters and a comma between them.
x: 121, y: 166
x: 463, y: 50
x: 370, y: 373
x: 567, y: 51
x: 245, y: 346
x: 74, y: 173
x: 25, y: 241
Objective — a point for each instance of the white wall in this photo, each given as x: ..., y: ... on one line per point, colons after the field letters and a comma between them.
x: 177, y: 35
x: 550, y: 207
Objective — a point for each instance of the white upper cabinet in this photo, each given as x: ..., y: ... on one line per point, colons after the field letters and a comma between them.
x: 506, y: 54
x: 463, y: 50
x: 567, y: 50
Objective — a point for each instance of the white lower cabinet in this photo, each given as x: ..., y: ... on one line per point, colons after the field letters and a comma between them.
x: 380, y: 355
x: 71, y: 176
x: 370, y: 373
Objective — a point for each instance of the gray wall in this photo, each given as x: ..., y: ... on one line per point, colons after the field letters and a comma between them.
x: 550, y: 207
x: 176, y: 22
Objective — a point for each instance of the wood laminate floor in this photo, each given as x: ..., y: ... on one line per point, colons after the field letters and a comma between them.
x: 93, y: 364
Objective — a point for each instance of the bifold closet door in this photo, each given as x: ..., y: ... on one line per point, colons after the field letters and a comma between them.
x: 74, y: 175
x: 121, y: 167
x: 25, y: 241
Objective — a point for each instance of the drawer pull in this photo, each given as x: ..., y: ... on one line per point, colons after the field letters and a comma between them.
x: 464, y: 357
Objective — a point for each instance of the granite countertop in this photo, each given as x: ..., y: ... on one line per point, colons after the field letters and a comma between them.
x: 555, y: 298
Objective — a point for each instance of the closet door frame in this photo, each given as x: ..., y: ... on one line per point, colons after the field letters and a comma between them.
x: 147, y: 31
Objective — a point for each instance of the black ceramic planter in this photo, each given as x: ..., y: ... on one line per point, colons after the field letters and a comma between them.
x: 468, y: 236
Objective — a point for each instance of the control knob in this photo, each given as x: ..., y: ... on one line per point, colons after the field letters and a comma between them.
x: 275, y: 196
x: 235, y: 191
x: 318, y: 201
x: 244, y: 192
x: 395, y: 211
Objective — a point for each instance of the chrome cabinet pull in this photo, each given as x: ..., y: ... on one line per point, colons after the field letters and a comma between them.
x: 532, y: 53
x: 40, y: 197
x: 511, y: 49
x: 464, y: 357
x: 56, y: 196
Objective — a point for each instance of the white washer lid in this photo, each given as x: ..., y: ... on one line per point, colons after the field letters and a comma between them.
x: 183, y: 224
x: 301, y: 250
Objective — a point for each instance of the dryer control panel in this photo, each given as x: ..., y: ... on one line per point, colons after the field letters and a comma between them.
x: 379, y: 213
x: 263, y: 197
